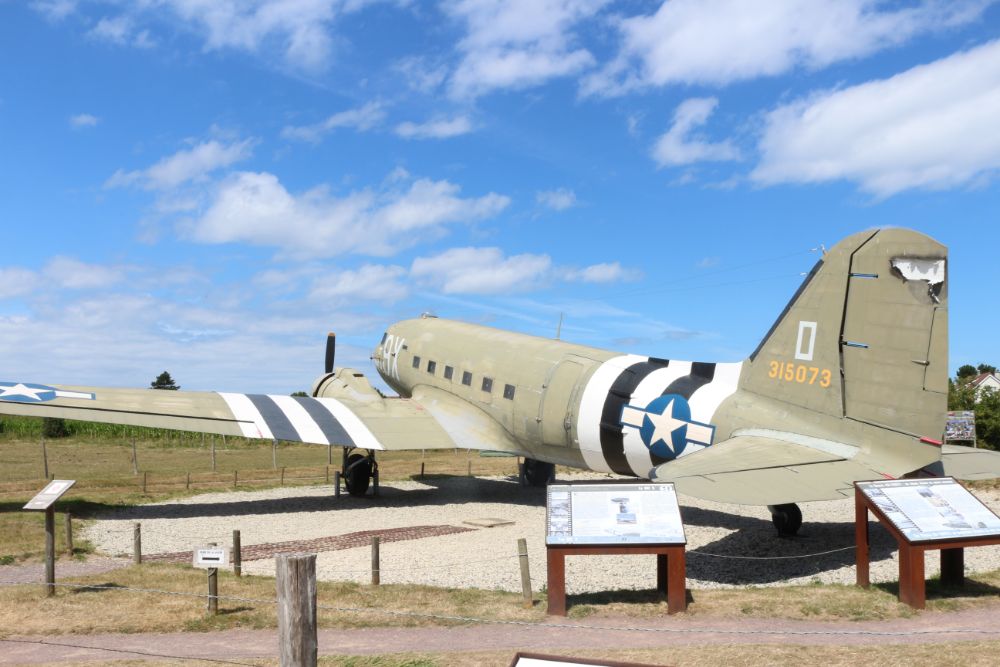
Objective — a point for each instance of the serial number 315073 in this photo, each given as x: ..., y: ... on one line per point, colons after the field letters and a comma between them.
x: 799, y: 373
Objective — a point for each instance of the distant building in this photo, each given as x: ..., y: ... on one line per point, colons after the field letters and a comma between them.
x: 985, y: 381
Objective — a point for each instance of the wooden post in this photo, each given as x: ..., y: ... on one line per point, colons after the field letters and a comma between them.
x: 237, y: 554
x: 522, y: 554
x: 274, y: 454
x: 282, y: 475
x: 50, y: 551
x: 213, y: 451
x: 187, y: 481
x: 329, y: 455
x: 135, y: 458
x: 137, y: 543
x: 296, y: 583
x: 236, y: 478
x: 69, y: 534
x: 376, y: 574
x: 213, y: 590
x: 468, y: 472
x: 328, y: 474
x: 421, y: 470
x: 144, y: 481
x: 45, y: 457
x: 336, y: 484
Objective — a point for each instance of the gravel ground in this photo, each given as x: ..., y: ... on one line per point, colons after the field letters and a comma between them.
x: 720, y: 537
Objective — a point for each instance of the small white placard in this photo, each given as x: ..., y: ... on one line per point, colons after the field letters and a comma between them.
x: 613, y: 514
x: 51, y: 493
x: 209, y: 557
x: 931, y: 509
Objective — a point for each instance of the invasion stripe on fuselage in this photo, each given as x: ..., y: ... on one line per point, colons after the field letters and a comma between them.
x: 620, y: 393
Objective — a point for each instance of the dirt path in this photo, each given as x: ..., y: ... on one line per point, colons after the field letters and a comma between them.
x: 557, y: 635
x: 35, y: 572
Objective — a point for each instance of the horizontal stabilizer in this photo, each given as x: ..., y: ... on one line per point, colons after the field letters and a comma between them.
x: 966, y: 463
x: 757, y: 470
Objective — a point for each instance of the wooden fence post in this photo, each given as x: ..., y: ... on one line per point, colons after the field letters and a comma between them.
x: 282, y: 475
x: 237, y: 554
x: 187, y: 481
x: 376, y: 573
x: 50, y: 551
x: 296, y: 584
x: 522, y: 554
x: 45, y: 456
x: 336, y: 484
x: 274, y: 455
x: 213, y: 451
x: 144, y: 481
x: 236, y: 478
x: 135, y: 458
x: 69, y: 534
x: 137, y: 543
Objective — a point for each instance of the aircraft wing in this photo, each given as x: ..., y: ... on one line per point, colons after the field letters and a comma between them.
x: 760, y: 470
x: 347, y: 418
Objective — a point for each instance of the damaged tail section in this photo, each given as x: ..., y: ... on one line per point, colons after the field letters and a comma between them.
x: 866, y: 336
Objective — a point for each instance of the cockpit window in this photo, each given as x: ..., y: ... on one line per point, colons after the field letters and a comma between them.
x: 384, y: 336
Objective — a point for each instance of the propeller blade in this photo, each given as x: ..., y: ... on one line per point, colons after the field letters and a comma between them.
x: 331, y: 348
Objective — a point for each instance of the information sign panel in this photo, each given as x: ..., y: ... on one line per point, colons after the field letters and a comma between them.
x: 960, y: 426
x: 209, y: 557
x: 613, y: 514
x: 51, y: 493
x: 931, y: 509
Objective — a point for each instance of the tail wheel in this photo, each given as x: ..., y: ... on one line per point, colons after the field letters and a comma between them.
x: 538, y: 473
x: 786, y: 518
x: 358, y: 474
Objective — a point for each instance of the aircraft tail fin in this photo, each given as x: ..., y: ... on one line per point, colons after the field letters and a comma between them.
x: 865, y: 337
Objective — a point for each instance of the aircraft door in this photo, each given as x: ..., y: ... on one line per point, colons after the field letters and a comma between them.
x: 557, y: 398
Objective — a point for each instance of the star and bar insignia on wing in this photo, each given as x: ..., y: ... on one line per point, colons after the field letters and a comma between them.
x: 25, y: 392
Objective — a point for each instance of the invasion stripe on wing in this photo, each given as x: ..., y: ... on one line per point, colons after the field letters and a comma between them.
x: 320, y: 421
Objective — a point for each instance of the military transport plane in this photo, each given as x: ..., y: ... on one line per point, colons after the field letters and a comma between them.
x: 849, y: 384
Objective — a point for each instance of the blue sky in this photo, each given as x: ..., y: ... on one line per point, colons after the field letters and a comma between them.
x: 209, y: 187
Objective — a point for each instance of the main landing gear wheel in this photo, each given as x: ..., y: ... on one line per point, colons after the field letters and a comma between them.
x: 786, y: 518
x: 538, y: 473
x: 358, y: 472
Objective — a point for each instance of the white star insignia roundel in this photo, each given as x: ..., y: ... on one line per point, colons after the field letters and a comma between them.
x: 23, y: 392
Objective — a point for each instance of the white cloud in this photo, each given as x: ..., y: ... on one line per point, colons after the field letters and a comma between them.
x: 369, y: 283
x: 191, y: 164
x: 83, y: 120
x: 121, y: 31
x: 301, y: 30
x: 440, y: 128
x: 256, y: 208
x: 679, y: 146
x: 719, y: 42
x: 558, y: 200
x: 480, y: 271
x: 54, y: 10
x: 514, y: 44
x: 70, y: 273
x: 362, y: 119
x: 933, y: 126
x: 15, y: 281
x: 606, y: 272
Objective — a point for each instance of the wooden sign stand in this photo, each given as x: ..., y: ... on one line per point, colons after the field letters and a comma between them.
x: 912, y: 584
x: 671, y: 580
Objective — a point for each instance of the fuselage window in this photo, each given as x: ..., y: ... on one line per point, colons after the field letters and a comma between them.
x: 467, y: 378
x: 487, y: 384
x: 416, y: 362
x: 508, y: 392
x: 448, y: 372
x: 431, y: 367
